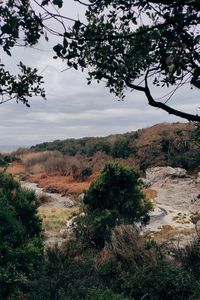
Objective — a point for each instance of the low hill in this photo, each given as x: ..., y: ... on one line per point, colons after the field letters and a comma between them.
x: 163, y: 144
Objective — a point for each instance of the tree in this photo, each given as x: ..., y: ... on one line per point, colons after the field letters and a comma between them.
x: 147, y: 41
x: 20, y: 229
x: 121, y: 149
x: 20, y: 26
x: 113, y: 198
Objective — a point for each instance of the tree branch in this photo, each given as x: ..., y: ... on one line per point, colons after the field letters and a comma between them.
x: 163, y: 106
x: 135, y: 87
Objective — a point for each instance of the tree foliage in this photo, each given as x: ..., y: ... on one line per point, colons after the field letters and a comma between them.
x: 147, y: 41
x: 121, y: 149
x: 20, y: 26
x: 151, y: 41
x: 114, y: 197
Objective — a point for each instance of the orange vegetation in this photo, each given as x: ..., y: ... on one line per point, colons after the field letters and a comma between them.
x: 16, y: 168
x: 150, y: 193
x: 60, y: 184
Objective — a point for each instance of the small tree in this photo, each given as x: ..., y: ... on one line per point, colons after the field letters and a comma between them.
x: 115, y: 197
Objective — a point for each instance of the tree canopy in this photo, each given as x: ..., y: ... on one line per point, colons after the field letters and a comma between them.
x: 129, y: 44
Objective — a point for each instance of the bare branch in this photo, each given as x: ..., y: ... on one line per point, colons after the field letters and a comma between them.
x: 163, y: 106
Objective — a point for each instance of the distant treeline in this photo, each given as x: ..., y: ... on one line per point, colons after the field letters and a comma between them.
x: 118, y: 146
x: 176, y: 145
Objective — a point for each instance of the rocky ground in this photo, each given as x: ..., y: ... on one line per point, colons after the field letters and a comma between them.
x: 55, y: 210
x: 176, y: 206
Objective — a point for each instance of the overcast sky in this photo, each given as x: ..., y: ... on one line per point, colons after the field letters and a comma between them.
x: 74, y: 109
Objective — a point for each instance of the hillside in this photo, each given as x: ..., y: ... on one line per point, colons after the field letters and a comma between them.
x: 56, y: 168
x: 159, y: 145
x: 70, y: 165
x: 60, y: 179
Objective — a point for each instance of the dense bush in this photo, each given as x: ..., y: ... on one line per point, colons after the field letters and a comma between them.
x: 103, y: 294
x: 121, y: 149
x: 114, y: 197
x: 163, y: 281
x: 190, y: 257
x: 20, y: 241
x: 116, y: 145
x: 72, y: 147
x: 79, y: 274
x: 5, y: 159
x: 63, y: 277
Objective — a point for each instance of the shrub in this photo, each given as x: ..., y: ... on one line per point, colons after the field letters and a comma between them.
x: 121, y: 149
x: 190, y: 257
x: 103, y: 294
x: 163, y: 281
x: 63, y: 277
x: 21, y: 246
x: 114, y: 197
x: 129, y: 247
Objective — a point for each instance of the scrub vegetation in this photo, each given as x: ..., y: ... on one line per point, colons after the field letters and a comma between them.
x: 105, y: 256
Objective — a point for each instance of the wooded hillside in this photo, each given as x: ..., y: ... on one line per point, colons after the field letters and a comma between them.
x: 160, y: 145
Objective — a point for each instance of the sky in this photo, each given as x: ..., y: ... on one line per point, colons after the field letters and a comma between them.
x: 73, y: 109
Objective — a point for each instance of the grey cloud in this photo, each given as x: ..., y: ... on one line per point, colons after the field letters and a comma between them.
x: 74, y: 109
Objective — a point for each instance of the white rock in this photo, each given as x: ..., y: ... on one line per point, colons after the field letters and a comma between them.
x: 69, y: 203
x: 80, y: 197
x: 160, y: 173
x: 146, y: 182
x: 72, y: 222
x: 198, y: 178
x: 197, y: 227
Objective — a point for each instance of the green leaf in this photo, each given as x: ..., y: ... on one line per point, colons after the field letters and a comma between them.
x: 58, y: 49
x: 59, y: 3
x: 65, y: 43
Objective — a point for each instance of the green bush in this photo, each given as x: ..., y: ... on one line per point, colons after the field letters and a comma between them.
x: 121, y: 149
x: 190, y: 257
x: 114, y: 197
x: 163, y: 281
x: 103, y: 294
x: 20, y: 242
x: 63, y: 277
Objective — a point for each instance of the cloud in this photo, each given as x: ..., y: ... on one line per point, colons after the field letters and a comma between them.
x: 74, y: 109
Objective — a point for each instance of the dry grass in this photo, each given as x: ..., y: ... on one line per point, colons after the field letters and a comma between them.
x: 181, y: 218
x: 127, y: 246
x: 150, y: 193
x: 16, y: 168
x: 167, y: 233
x: 55, y: 219
x: 155, y: 132
x: 29, y: 156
